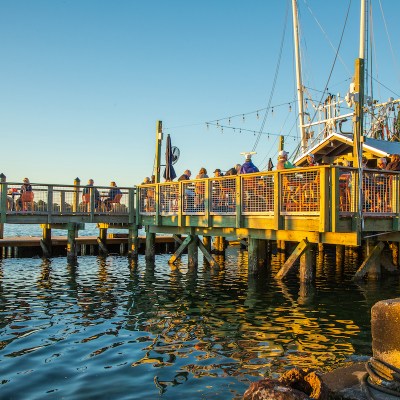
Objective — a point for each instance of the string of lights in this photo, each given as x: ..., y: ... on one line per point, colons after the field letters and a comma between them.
x: 243, y: 130
x: 256, y: 112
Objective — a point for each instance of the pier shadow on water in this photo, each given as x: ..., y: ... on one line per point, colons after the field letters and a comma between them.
x: 111, y: 328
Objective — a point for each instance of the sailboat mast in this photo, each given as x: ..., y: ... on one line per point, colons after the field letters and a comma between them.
x: 359, y: 90
x: 298, y: 76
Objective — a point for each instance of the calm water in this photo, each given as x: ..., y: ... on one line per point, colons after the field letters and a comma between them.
x: 106, y: 329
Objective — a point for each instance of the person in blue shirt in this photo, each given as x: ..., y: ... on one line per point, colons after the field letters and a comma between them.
x: 248, y: 167
x: 86, y: 191
x: 114, y: 196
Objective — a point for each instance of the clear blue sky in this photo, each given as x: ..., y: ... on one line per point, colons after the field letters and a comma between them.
x: 82, y: 83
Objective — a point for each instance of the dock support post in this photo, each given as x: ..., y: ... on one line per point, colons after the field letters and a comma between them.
x: 394, y: 246
x: 371, y: 265
x: 71, y: 242
x: 180, y: 250
x: 208, y: 258
x: 207, y: 246
x: 339, y: 258
x: 133, y: 243
x: 306, y: 266
x: 45, y: 243
x: 281, y: 250
x: 219, y: 245
x: 3, y: 202
x: 290, y: 263
x: 193, y: 252
x: 75, y: 200
x: 150, y: 246
x: 374, y: 272
x: 253, y: 259
x: 102, y: 241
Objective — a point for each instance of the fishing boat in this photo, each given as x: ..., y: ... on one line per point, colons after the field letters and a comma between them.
x: 367, y: 128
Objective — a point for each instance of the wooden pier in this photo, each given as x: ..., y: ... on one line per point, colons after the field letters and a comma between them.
x: 306, y: 206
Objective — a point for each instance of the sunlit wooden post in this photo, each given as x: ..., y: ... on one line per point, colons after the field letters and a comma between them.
x: 253, y: 250
x: 207, y: 245
x: 75, y: 202
x: 306, y: 266
x: 45, y: 243
x: 133, y: 243
x: 3, y: 208
x: 193, y: 252
x: 102, y: 240
x: 150, y: 245
x: 71, y: 241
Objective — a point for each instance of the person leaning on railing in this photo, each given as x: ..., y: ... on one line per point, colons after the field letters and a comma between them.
x: 114, y: 196
x: 25, y: 188
x: 86, y: 194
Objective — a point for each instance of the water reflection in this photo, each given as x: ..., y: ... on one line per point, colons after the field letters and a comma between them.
x: 166, y: 325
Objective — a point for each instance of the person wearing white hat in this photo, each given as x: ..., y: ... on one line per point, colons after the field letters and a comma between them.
x: 283, y: 162
x: 248, y: 167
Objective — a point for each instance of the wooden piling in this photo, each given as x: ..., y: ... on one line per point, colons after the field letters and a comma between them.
x: 45, y: 243
x: 75, y: 200
x: 281, y: 250
x: 102, y: 241
x: 3, y: 202
x: 150, y: 246
x: 306, y: 266
x: 340, y: 251
x: 207, y: 245
x: 193, y: 252
x: 253, y: 250
x: 133, y: 242
x: 71, y: 242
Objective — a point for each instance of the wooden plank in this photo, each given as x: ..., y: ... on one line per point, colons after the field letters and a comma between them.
x: 369, y: 262
x: 180, y: 250
x: 289, y: 264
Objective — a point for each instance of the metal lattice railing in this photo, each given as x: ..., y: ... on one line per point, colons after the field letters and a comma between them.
x: 257, y: 194
x: 169, y: 199
x: 346, y: 190
x: 300, y: 192
x: 223, y: 196
x: 193, y: 197
x: 378, y: 188
x: 147, y: 199
x: 59, y: 200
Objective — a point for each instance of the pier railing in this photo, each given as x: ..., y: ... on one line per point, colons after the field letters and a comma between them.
x: 49, y: 201
x: 327, y: 195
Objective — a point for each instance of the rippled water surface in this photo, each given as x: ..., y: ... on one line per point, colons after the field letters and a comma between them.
x: 107, y: 329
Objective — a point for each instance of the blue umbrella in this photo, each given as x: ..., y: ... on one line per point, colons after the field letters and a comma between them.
x: 169, y: 172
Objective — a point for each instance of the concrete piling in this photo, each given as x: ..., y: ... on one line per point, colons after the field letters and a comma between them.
x: 385, y: 316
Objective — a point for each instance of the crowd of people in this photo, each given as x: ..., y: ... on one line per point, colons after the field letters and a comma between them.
x: 309, y: 189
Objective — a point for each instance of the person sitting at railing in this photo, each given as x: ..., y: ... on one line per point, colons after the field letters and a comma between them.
x: 86, y: 194
x: 248, y: 167
x: 199, y: 190
x: 189, y: 193
x: 249, y: 184
x: 380, y: 186
x: 394, y: 164
x: 11, y: 193
x: 114, y: 196
x: 217, y: 191
x: 26, y: 195
x: 283, y: 162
